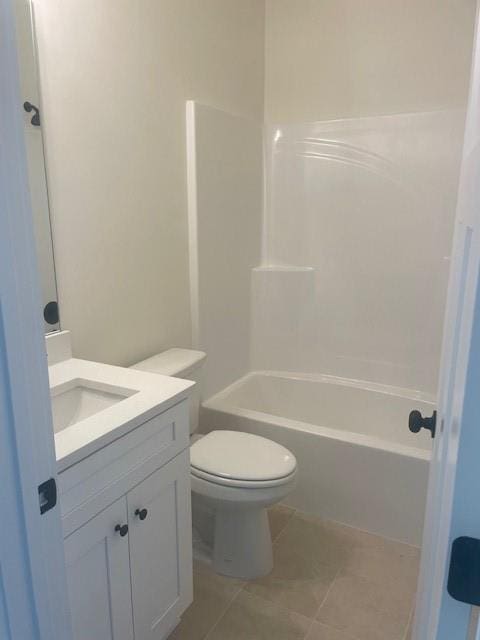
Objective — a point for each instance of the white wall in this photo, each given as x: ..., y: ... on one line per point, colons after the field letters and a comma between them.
x: 225, y: 213
x: 341, y: 58
x: 115, y: 75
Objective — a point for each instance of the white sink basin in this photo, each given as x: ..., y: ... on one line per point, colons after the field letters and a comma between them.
x: 80, y: 399
x: 94, y: 404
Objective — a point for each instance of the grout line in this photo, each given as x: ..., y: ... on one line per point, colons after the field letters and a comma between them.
x: 349, y: 635
x: 293, y: 512
x: 378, y: 536
x: 227, y: 604
x: 277, y: 537
x: 327, y: 593
x: 223, y: 614
x: 345, y: 634
x: 312, y: 622
x: 267, y: 602
x: 410, y: 618
x: 277, y: 605
x: 275, y: 542
x: 282, y: 531
x: 286, y: 607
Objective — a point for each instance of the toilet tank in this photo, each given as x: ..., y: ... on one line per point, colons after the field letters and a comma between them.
x: 179, y: 363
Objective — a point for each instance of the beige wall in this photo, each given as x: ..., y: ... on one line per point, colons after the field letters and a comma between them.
x: 115, y: 76
x: 225, y: 213
x: 328, y: 59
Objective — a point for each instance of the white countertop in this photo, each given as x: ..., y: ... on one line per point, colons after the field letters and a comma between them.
x: 152, y: 394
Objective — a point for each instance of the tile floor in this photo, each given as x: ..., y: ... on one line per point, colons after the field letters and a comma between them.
x: 329, y: 582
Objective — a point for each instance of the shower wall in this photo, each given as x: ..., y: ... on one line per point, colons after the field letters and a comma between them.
x: 361, y: 178
x: 347, y: 274
x: 358, y: 227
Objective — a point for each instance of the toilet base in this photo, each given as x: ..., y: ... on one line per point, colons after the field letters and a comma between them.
x: 242, y: 545
x: 233, y: 523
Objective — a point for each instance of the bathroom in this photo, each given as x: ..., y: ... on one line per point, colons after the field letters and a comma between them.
x: 258, y: 197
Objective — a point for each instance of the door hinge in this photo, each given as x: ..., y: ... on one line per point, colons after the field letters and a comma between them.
x: 47, y: 495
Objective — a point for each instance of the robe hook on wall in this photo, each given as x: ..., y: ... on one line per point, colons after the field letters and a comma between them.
x: 28, y: 106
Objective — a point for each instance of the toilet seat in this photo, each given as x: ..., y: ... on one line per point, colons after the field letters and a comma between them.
x: 241, y: 484
x: 244, y: 460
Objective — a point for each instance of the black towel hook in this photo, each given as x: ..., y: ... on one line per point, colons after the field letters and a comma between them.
x: 28, y: 106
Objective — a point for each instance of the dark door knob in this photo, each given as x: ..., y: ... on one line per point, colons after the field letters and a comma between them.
x: 122, y: 529
x: 416, y: 422
x: 141, y: 513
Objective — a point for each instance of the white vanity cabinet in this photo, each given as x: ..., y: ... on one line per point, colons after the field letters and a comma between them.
x: 98, y: 575
x: 160, y: 549
x: 127, y: 522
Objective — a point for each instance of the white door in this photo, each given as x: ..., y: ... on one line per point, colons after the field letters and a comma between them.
x: 453, y: 507
x: 32, y: 568
x: 98, y: 575
x: 160, y: 548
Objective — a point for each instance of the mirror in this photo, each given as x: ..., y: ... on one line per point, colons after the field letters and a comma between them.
x: 31, y: 108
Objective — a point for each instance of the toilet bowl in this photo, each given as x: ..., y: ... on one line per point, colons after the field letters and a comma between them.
x: 235, y: 477
x: 238, y: 476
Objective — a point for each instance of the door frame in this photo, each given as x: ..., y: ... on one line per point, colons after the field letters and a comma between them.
x: 35, y: 542
x: 459, y: 351
x: 32, y: 562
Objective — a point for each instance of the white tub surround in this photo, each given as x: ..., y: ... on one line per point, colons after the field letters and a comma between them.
x: 225, y: 193
x: 366, y: 206
x: 357, y: 461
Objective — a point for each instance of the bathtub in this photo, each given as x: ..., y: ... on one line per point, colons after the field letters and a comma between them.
x: 358, y: 462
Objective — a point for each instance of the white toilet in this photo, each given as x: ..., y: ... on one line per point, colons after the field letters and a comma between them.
x: 235, y: 476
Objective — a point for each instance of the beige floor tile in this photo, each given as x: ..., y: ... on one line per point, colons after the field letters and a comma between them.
x: 212, y: 595
x: 251, y: 618
x: 366, y: 539
x: 278, y: 517
x: 385, y: 565
x: 321, y: 632
x: 316, y: 540
x: 362, y: 592
x: 365, y: 609
x: 296, y: 582
x: 354, y: 551
x: 392, y: 565
x: 364, y: 585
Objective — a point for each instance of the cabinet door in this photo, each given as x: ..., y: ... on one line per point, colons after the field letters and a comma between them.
x: 98, y: 576
x: 161, y: 548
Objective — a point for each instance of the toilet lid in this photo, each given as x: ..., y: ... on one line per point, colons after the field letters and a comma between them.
x: 241, y: 456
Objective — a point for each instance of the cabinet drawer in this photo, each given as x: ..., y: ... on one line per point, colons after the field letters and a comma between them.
x: 94, y: 483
